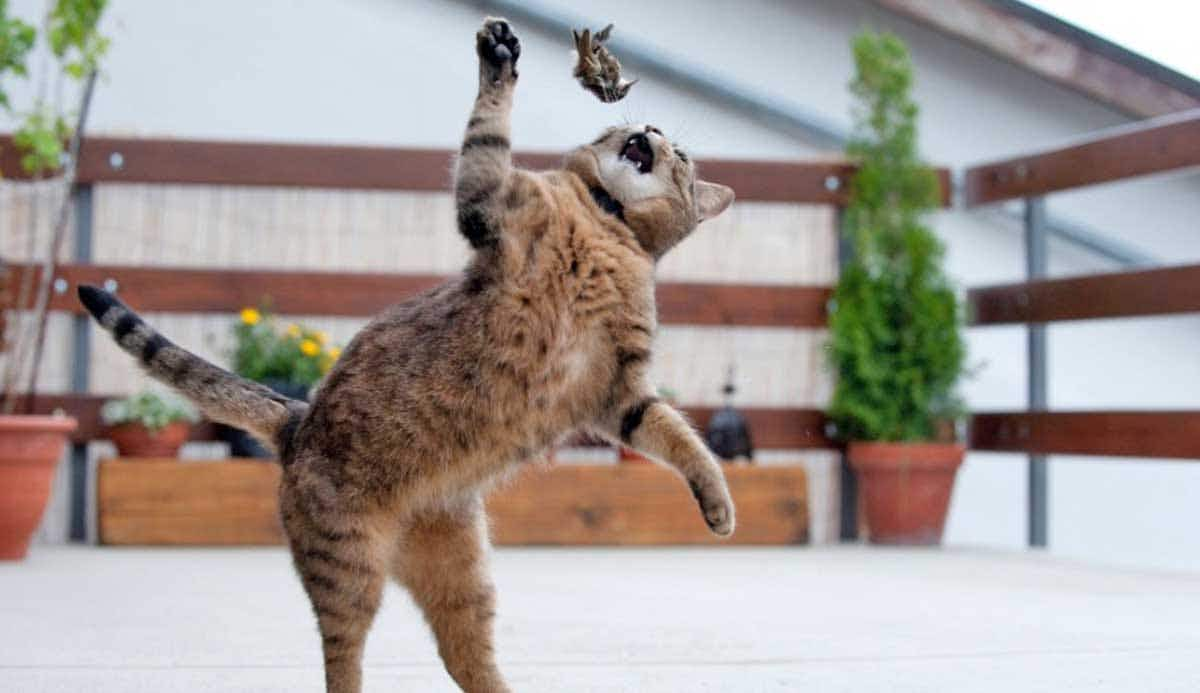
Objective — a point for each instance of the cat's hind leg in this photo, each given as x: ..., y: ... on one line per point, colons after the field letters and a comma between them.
x: 342, y: 561
x: 442, y: 561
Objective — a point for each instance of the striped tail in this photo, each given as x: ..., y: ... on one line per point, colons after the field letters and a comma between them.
x: 222, y: 396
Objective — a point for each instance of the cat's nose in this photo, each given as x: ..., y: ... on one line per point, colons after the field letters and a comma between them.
x: 651, y: 128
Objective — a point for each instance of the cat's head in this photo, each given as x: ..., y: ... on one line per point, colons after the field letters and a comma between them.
x: 654, y: 181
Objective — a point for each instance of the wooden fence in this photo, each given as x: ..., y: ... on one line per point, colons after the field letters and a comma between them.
x: 194, y: 290
x: 1149, y: 147
x: 1152, y: 146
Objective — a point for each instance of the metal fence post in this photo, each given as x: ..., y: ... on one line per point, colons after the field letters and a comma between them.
x: 847, y: 481
x: 81, y: 365
x: 1035, y: 268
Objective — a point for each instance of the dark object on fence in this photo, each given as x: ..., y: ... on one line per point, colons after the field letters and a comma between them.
x: 242, y: 444
x: 728, y: 434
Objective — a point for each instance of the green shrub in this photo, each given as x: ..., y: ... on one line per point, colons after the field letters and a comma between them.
x: 895, y: 322
x: 295, y: 354
x: 150, y: 409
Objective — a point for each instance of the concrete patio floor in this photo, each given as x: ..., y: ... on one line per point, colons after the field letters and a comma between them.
x: 835, y: 619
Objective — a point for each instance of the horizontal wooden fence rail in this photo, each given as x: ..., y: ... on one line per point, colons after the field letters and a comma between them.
x: 137, y: 160
x: 1148, y: 146
x: 357, y: 294
x: 1165, y: 291
x: 1169, y: 434
x: 774, y: 428
x: 1162, y: 434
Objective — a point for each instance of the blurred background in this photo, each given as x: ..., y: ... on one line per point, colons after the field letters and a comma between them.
x: 751, y: 80
x: 262, y: 177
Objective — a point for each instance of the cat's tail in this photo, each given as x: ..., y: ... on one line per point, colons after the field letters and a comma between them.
x: 222, y: 396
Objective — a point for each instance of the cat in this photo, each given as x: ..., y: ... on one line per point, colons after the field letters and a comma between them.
x: 548, y: 330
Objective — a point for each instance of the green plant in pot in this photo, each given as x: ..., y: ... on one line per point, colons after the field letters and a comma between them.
x: 288, y: 359
x: 66, y: 50
x: 895, y: 321
x: 148, y: 424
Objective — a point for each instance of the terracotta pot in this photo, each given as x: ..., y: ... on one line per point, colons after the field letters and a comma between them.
x: 135, y: 440
x: 905, y: 488
x: 630, y: 456
x: 30, y: 447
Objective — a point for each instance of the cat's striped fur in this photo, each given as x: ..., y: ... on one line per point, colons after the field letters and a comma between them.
x: 548, y: 330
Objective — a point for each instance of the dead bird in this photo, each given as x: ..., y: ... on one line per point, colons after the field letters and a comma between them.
x: 596, y: 68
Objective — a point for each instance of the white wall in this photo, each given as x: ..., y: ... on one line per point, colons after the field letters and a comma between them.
x: 401, y: 72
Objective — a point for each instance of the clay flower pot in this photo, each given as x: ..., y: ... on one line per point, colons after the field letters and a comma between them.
x: 905, y: 488
x: 135, y: 440
x: 627, y: 455
x: 30, y: 447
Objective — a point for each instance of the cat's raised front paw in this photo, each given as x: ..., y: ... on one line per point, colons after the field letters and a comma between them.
x: 498, y: 48
x: 716, y: 506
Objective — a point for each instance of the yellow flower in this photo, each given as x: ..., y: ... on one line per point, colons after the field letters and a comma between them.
x: 321, y: 337
x: 334, y: 353
x: 293, y: 330
x: 309, y: 348
x: 251, y: 316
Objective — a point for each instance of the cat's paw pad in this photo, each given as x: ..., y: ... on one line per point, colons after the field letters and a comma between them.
x: 717, y: 508
x: 498, y: 48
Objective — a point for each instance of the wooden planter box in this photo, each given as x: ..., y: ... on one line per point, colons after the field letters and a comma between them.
x: 234, y: 503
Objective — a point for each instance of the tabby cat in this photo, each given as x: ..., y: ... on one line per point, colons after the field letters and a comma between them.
x: 548, y: 330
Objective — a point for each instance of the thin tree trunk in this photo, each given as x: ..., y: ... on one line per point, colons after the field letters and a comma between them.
x: 50, y: 263
x: 21, y: 331
x: 16, y: 355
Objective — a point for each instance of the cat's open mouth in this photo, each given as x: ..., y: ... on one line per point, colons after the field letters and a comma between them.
x: 637, y: 151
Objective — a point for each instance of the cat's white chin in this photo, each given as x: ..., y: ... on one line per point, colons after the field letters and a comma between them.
x: 625, y: 183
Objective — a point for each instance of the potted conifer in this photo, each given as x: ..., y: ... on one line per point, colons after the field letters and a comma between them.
x: 895, y: 321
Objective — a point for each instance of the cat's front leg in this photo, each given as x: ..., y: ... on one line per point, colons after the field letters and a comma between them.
x: 658, y: 430
x: 485, y: 159
x: 498, y: 49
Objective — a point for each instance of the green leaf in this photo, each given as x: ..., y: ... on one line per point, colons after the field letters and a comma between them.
x: 150, y: 409
x: 16, y: 41
x: 73, y: 36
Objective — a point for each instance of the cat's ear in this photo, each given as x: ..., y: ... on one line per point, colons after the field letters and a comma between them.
x: 712, y: 199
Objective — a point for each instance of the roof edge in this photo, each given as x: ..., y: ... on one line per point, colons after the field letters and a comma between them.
x: 1058, y: 51
x: 1102, y: 46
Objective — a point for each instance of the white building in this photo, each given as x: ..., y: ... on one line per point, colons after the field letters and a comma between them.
x: 402, y: 72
